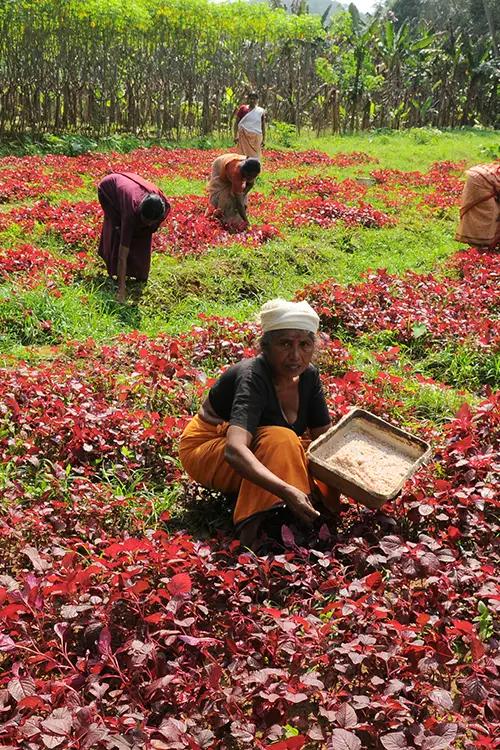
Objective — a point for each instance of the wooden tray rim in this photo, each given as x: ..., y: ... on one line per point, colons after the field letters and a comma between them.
x: 356, y: 412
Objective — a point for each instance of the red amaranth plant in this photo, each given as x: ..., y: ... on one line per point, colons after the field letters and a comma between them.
x: 161, y: 636
x: 117, y: 634
x: 446, y: 188
x: 188, y: 231
x: 35, y: 176
x: 418, y: 304
x: 324, y: 187
x: 31, y: 265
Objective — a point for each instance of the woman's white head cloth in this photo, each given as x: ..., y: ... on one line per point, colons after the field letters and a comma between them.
x: 278, y: 314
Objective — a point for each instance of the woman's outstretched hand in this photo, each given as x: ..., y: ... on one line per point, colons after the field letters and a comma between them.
x: 300, y: 505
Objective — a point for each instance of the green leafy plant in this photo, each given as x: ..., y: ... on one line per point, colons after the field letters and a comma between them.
x: 484, y: 621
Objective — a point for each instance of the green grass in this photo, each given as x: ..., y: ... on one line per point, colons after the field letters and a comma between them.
x: 463, y: 366
x: 414, y: 149
x: 181, y: 186
x: 234, y: 281
x: 37, y: 318
x: 428, y: 401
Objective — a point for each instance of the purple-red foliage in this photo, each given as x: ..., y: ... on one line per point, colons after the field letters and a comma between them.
x: 117, y: 635
x: 122, y: 638
x: 444, y: 307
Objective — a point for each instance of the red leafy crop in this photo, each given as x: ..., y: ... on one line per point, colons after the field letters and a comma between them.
x: 77, y: 223
x: 416, y: 306
x: 118, y: 632
x: 358, y: 640
x: 189, y: 231
x: 295, y: 159
x: 446, y: 188
x: 318, y: 211
x: 34, y: 176
x: 325, y: 187
x: 32, y: 265
x: 326, y: 213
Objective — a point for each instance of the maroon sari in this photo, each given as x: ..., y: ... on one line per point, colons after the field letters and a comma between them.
x: 120, y: 195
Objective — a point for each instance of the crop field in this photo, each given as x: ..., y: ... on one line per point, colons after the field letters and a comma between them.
x: 130, y: 617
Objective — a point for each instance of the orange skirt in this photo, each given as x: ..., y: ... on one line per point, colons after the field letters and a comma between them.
x: 201, y: 451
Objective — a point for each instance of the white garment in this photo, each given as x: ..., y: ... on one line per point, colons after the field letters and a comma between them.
x: 278, y: 314
x: 252, y: 121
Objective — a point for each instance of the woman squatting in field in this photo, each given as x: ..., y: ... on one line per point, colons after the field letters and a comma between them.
x: 247, y: 436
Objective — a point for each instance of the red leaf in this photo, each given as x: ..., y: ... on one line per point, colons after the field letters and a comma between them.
x: 441, y: 698
x: 59, y: 722
x: 295, y: 697
x: 32, y: 701
x: 52, y: 740
x: 475, y: 689
x: 128, y: 545
x: 12, y: 610
x: 423, y: 619
x: 155, y: 618
x: 441, y: 741
x: 21, y: 687
x: 464, y: 626
x: 191, y: 640
x: 394, y: 741
x: 94, y: 735
x: 464, y: 412
x: 105, y: 641
x: 341, y: 739
x: 476, y: 647
x: 6, y: 643
x: 346, y: 716
x: 373, y: 580
x: 215, y: 673
x: 287, y: 536
x: 38, y: 563
x: 454, y: 533
x: 393, y: 546
x: 180, y: 584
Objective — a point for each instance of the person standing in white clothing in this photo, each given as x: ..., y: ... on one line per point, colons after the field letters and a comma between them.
x: 250, y: 128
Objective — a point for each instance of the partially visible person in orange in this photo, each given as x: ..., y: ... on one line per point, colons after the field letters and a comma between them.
x: 247, y: 435
x: 480, y: 207
x: 231, y: 179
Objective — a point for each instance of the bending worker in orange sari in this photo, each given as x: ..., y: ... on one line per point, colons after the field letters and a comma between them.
x: 246, y: 437
x: 480, y: 207
x: 231, y: 180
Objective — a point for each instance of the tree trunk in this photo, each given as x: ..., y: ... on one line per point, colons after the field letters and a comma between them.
x: 491, y: 26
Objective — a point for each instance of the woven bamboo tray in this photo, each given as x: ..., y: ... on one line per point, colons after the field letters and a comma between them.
x: 414, y: 448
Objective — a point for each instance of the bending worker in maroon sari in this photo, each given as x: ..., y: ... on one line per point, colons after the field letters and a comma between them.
x: 133, y: 209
